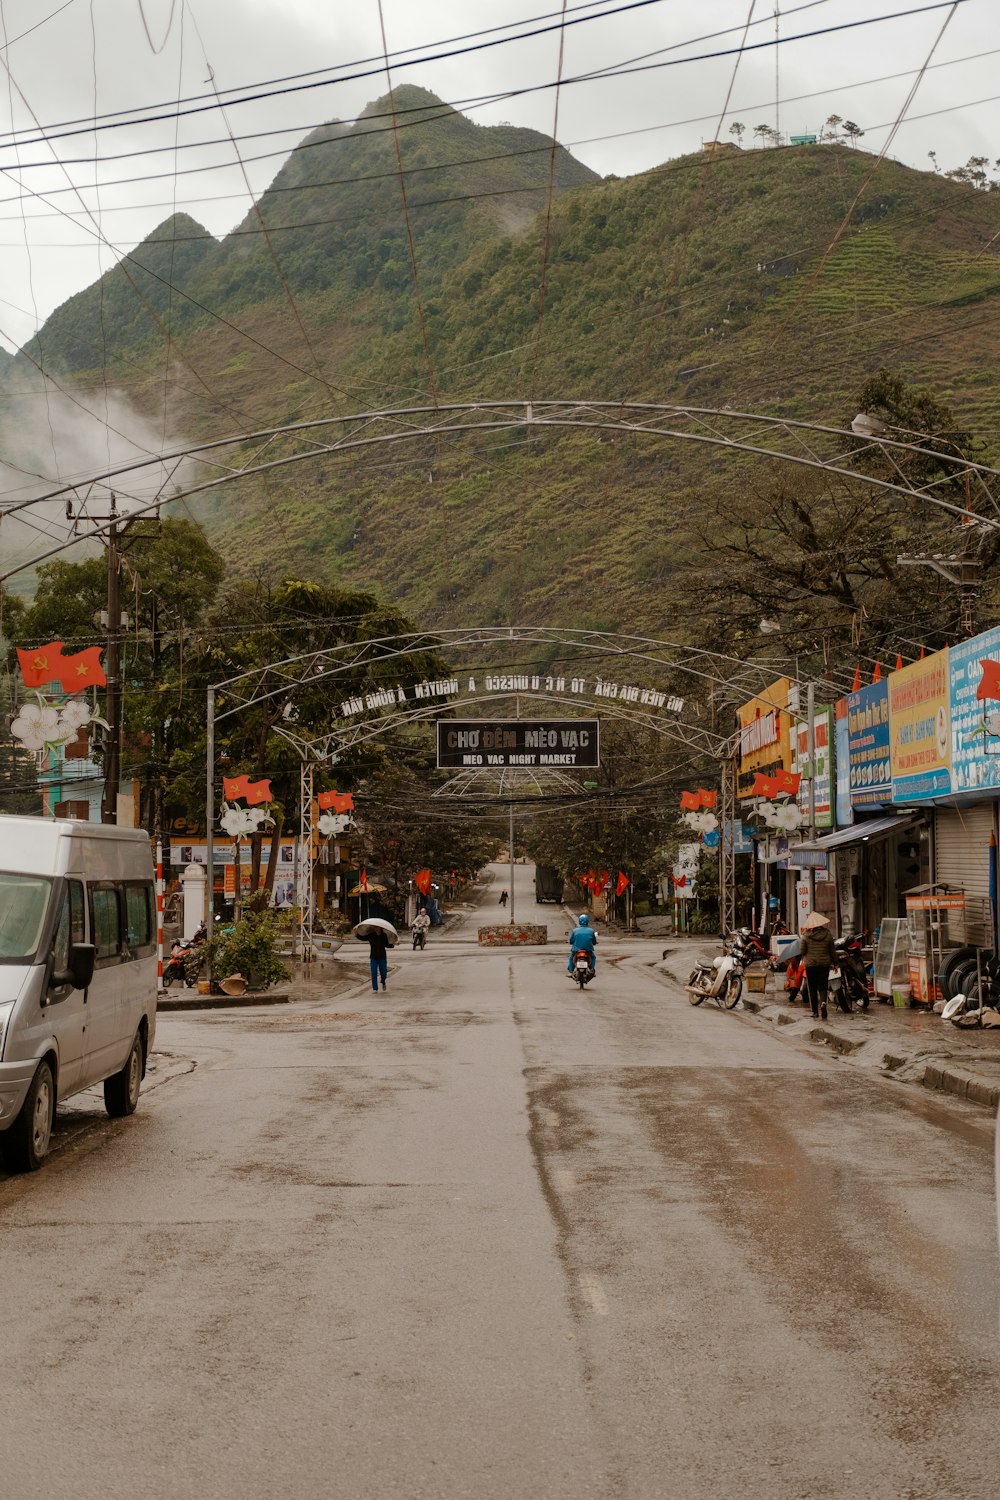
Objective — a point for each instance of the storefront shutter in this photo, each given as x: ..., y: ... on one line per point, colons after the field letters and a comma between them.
x: 961, y: 847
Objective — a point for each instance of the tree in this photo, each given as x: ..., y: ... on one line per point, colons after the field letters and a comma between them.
x: 763, y: 133
x: 738, y: 129
x: 832, y: 130
x: 853, y: 132
x: 170, y: 574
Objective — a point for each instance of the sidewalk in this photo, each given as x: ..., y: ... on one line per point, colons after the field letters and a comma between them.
x: 914, y: 1046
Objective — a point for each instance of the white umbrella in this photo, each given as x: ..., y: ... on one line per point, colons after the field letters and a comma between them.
x: 814, y: 919
x: 391, y: 935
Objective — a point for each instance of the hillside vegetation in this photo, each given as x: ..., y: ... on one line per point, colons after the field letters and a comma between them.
x: 714, y: 280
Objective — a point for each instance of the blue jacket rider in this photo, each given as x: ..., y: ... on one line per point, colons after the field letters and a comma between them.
x: 583, y: 937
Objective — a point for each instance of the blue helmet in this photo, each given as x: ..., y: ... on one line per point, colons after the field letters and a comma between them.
x: 584, y: 920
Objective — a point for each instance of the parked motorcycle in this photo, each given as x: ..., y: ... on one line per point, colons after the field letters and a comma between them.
x: 853, y: 972
x: 583, y: 971
x: 719, y: 979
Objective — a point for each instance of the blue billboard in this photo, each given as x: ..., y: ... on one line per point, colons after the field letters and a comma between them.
x: 868, y: 746
x: 844, y: 814
x: 975, y: 713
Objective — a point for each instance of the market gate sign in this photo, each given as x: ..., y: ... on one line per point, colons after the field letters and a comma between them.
x: 531, y: 744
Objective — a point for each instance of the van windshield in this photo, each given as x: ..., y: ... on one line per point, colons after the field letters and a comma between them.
x: 24, y: 900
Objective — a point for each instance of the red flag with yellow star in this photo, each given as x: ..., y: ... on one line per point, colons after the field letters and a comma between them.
x: 82, y: 670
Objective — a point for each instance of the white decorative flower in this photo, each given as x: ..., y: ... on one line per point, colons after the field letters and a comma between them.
x: 330, y: 823
x: 35, y: 725
x: 74, y: 714
x: 788, y: 817
x: 241, y: 821
x: 992, y: 721
x: 701, y: 822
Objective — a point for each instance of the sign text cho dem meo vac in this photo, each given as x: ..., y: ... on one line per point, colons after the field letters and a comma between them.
x: 529, y: 743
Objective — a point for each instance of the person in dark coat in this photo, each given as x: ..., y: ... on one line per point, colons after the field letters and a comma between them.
x: 818, y: 956
x: 378, y: 946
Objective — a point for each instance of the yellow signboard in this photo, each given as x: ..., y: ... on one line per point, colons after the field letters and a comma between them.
x: 765, y: 736
x: 920, y: 729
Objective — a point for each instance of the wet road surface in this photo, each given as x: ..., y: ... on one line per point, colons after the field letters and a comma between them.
x: 484, y: 1236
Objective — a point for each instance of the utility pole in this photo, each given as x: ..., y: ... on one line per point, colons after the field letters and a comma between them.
x: 113, y: 700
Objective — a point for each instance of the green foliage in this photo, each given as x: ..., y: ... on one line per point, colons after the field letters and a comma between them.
x: 249, y: 948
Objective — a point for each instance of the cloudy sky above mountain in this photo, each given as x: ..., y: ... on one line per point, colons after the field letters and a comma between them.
x: 638, y: 87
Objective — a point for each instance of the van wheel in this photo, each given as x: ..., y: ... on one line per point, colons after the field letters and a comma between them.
x: 26, y: 1143
x: 121, y: 1091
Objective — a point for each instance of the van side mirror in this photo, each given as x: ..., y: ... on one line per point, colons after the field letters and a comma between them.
x: 81, y: 965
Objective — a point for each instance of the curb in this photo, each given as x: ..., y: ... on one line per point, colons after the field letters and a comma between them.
x: 223, y: 1002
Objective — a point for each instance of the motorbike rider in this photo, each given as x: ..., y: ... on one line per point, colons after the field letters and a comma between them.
x: 421, y: 922
x: 583, y: 939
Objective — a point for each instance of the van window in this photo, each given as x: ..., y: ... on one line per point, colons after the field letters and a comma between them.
x: 106, y: 921
x: 70, y: 928
x: 139, y: 916
x: 24, y: 900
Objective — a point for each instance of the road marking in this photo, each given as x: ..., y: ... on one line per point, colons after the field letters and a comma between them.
x: 551, y: 1118
x: 567, y: 1182
x: 594, y: 1293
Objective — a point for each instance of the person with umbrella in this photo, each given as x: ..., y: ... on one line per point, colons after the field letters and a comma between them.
x: 818, y: 957
x: 380, y: 937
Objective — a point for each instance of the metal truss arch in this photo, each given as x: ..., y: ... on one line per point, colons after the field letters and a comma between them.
x: 222, y: 461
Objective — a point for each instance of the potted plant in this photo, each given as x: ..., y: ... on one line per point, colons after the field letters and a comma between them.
x: 250, y: 948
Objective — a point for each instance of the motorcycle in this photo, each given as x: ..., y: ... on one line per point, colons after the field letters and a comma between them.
x: 583, y: 970
x: 185, y: 959
x: 720, y: 979
x: 419, y: 937
x: 853, y: 973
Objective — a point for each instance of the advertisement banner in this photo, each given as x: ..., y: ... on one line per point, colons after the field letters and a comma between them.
x: 870, y: 772
x: 765, y: 736
x: 920, y: 729
x: 842, y: 762
x: 822, y: 747
x: 975, y: 713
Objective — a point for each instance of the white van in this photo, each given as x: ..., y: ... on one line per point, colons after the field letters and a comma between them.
x: 77, y: 973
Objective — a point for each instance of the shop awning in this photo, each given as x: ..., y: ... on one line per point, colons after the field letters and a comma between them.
x: 859, y: 833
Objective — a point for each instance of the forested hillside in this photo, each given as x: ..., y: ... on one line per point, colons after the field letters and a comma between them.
x: 774, y: 281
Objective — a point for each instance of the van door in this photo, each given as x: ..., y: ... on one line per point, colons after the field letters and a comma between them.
x: 104, y: 1047
x: 66, y: 1008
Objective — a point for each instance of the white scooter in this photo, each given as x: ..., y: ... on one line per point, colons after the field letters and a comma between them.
x: 583, y: 971
x: 720, y: 979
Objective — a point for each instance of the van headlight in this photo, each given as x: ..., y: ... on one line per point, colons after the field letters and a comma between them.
x: 6, y: 1007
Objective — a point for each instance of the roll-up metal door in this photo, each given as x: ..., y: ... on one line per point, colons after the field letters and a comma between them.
x: 962, y: 847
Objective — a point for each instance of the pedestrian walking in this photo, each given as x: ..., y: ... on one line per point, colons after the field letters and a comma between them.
x: 818, y: 957
x: 378, y: 947
x: 503, y: 897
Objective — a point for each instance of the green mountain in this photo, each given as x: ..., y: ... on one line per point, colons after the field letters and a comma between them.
x: 772, y: 281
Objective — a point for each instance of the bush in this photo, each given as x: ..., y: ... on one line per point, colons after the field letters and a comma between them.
x: 703, y: 923
x: 248, y: 948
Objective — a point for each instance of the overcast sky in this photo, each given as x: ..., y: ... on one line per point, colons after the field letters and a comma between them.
x: 67, y: 59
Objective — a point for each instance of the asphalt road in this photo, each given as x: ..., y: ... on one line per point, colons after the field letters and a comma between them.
x: 485, y: 1238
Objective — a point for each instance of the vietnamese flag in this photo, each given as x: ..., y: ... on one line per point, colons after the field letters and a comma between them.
x: 82, y: 670
x: 761, y: 785
x: 257, y: 791
x: 877, y: 674
x: 989, y: 683
x: 602, y: 879
x: 856, y: 684
x: 707, y: 799
x: 42, y: 665
x: 363, y: 882
x: 786, y: 781
x: 422, y: 881
x: 690, y: 801
x: 622, y: 883
x: 234, y: 786
x: 338, y: 802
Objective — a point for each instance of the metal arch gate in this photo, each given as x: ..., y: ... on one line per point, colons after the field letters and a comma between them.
x: 962, y: 488
x: 248, y: 689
